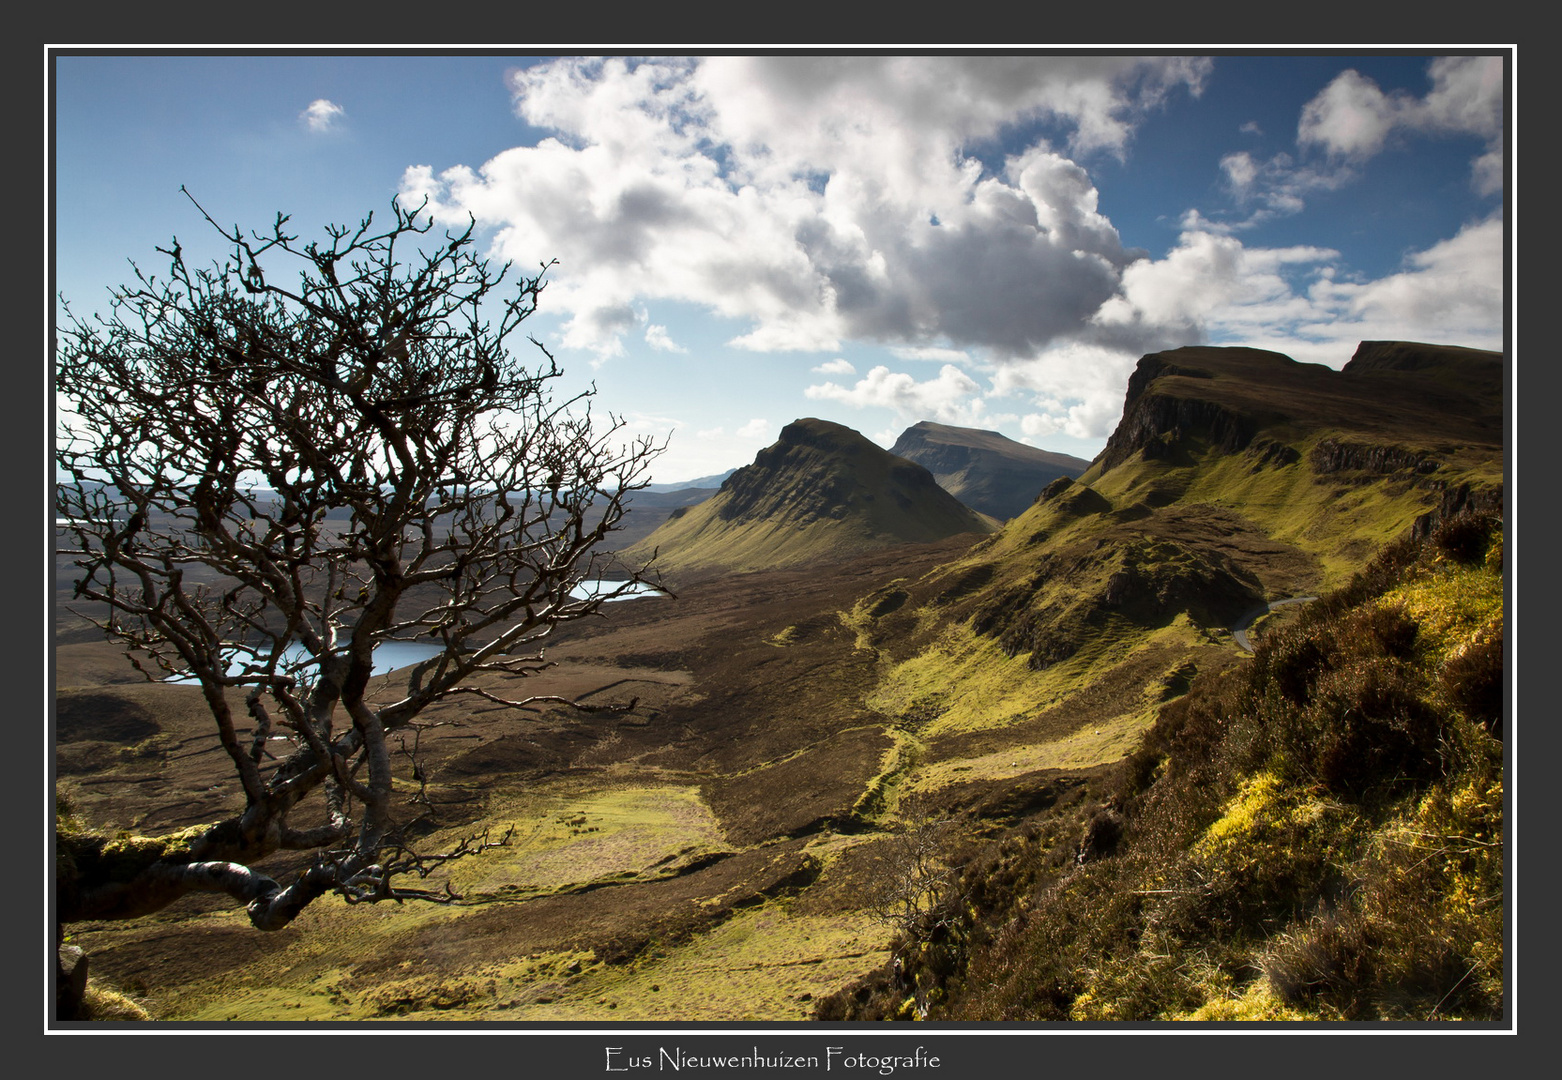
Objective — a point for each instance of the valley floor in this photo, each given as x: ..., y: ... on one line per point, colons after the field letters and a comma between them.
x: 777, y: 813
x: 702, y: 857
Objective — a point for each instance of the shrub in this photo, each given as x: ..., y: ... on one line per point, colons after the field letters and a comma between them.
x: 1472, y: 679
x: 1290, y: 660
x: 1374, y: 725
x: 1381, y: 630
x: 1329, y: 958
x: 1464, y: 538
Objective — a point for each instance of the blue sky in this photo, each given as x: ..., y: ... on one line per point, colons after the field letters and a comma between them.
x: 985, y: 241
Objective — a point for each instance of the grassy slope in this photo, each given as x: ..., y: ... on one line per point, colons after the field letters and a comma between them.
x: 822, y: 492
x: 1317, y: 835
x: 1275, y: 511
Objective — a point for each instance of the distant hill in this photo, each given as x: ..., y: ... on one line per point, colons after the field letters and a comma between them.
x: 983, y: 469
x: 713, y: 481
x: 650, y: 508
x: 821, y: 491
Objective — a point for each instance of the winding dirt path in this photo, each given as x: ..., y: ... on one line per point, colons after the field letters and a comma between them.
x: 1239, y: 631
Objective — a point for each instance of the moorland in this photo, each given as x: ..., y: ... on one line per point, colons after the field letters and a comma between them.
x: 1010, y: 770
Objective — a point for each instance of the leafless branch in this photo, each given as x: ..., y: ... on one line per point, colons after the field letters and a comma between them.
x: 277, y: 463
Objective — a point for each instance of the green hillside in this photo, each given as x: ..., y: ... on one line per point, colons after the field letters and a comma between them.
x: 1315, y: 835
x: 822, y: 491
x: 1071, y: 639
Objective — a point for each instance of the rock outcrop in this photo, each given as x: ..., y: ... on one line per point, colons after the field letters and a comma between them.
x: 1389, y: 410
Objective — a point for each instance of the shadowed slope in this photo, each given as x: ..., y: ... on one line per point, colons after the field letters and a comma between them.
x: 983, y: 469
x: 822, y: 491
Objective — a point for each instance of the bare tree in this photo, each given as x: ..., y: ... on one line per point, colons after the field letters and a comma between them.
x: 308, y: 450
x: 913, y: 878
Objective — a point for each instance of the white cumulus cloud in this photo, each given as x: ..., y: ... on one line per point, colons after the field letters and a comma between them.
x: 1213, y: 288
x: 1448, y: 292
x: 946, y: 398
x: 1074, y: 389
x: 1353, y: 118
x: 321, y: 115
x: 838, y: 366
x: 815, y: 199
x: 658, y: 338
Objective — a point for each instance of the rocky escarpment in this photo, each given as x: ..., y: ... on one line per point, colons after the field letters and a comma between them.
x: 1166, y: 402
x: 1333, y: 456
x: 1462, y: 500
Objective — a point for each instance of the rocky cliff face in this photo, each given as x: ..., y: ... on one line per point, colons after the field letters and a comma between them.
x: 1389, y: 410
x: 1238, y: 476
x: 1334, y: 456
x: 1169, y: 400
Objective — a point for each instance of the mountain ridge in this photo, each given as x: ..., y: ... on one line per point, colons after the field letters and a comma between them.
x: 821, y: 491
x: 986, y: 470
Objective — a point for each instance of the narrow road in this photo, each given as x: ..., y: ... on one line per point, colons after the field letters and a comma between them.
x: 1239, y: 631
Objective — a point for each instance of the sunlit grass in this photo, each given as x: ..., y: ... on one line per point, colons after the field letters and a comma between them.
x: 568, y: 839
x: 1451, y: 603
x: 762, y: 964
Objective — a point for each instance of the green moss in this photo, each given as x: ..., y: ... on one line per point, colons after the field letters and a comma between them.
x: 1271, y: 823
x: 617, y: 834
x: 1256, y: 1002
x: 85, y: 855
x: 1452, y: 605
x: 881, y: 793
x: 1255, y: 801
